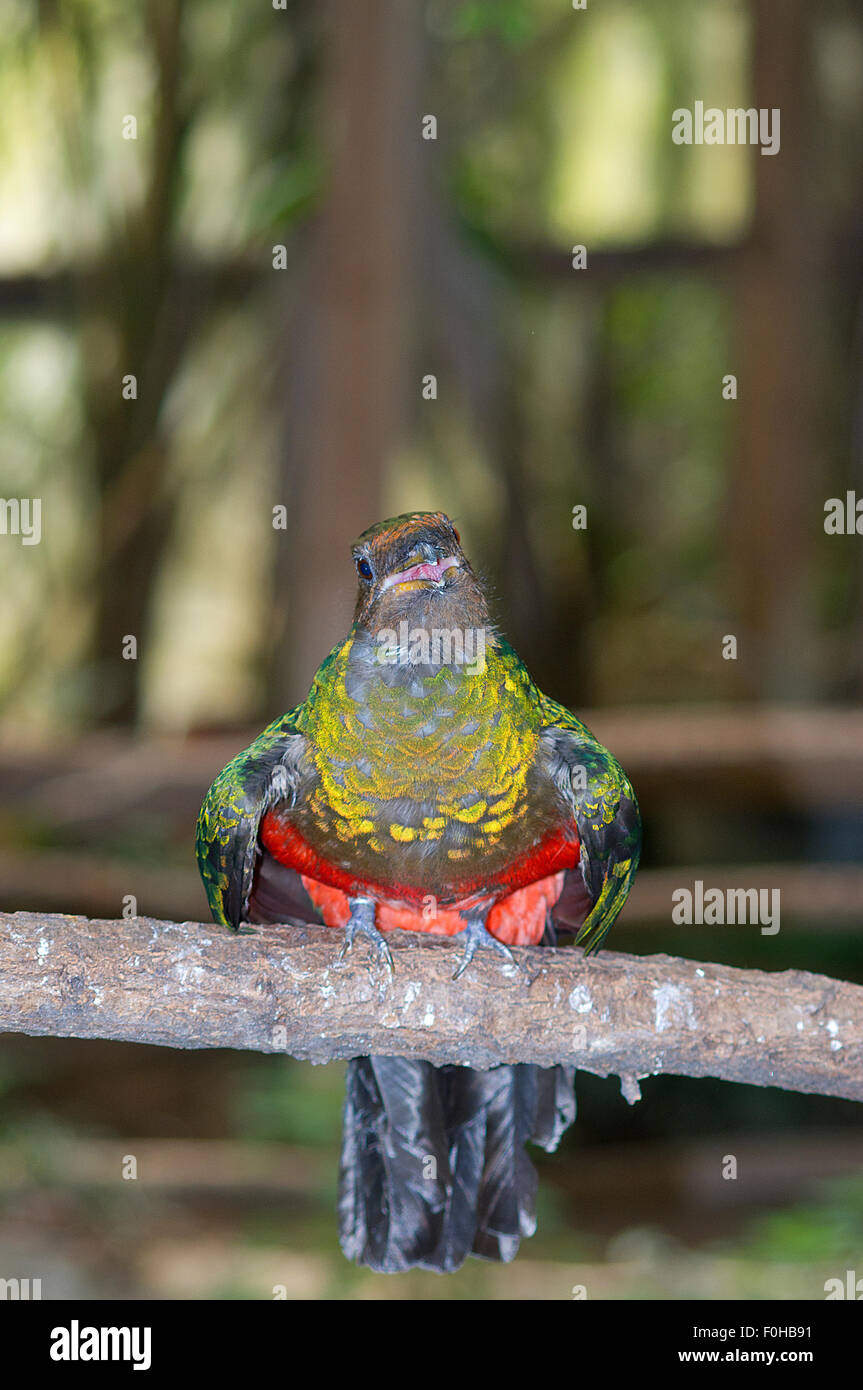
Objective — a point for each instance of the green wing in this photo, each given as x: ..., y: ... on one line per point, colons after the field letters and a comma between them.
x: 227, y: 839
x: 606, y: 813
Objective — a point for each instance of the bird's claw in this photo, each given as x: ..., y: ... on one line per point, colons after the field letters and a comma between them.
x: 362, y: 923
x: 475, y: 935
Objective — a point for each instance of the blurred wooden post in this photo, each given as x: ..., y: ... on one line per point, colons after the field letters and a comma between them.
x: 348, y: 361
x: 133, y: 321
x: 775, y: 506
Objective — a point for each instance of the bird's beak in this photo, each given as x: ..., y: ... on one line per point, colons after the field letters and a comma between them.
x: 424, y: 572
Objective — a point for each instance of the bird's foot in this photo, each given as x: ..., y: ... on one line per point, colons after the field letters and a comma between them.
x: 475, y: 935
x: 362, y: 923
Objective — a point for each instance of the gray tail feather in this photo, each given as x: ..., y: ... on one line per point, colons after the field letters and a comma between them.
x: 433, y: 1166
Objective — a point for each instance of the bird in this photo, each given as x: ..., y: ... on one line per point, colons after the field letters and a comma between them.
x: 426, y: 784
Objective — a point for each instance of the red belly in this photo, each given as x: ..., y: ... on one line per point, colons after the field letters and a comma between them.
x: 517, y: 920
x: 516, y: 906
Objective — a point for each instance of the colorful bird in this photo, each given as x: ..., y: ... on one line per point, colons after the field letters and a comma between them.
x: 426, y: 784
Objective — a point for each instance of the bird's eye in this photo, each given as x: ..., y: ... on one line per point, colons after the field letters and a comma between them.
x: 364, y: 569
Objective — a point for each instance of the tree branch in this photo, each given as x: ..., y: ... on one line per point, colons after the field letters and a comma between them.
x: 282, y: 989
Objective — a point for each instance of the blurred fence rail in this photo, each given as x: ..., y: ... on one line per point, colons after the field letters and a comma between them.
x: 121, y: 788
x: 682, y: 1175
x: 776, y: 752
x: 89, y: 883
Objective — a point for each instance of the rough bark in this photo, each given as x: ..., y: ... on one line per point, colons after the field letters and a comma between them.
x: 282, y: 989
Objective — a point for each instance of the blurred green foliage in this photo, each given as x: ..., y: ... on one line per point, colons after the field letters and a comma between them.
x: 553, y: 131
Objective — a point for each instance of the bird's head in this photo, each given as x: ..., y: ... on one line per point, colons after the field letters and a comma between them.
x: 413, y: 567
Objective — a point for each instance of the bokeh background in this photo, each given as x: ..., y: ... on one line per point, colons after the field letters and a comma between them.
x: 298, y: 380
